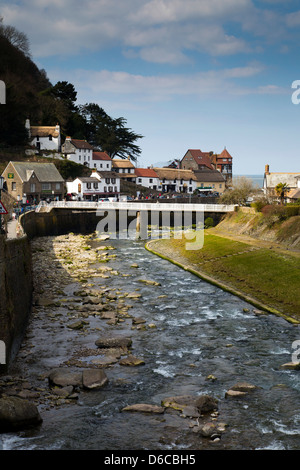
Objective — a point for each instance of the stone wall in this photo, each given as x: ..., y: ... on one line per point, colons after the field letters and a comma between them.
x: 58, y: 222
x: 16, y: 285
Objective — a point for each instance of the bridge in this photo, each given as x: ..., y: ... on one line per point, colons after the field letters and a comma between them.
x: 136, y: 206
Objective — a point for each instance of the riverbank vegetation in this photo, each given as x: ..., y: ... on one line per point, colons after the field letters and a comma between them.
x: 271, y: 277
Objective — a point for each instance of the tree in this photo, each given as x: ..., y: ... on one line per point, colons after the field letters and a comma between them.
x: 66, y: 92
x: 281, y: 189
x: 239, y: 192
x: 109, y: 134
x: 15, y: 37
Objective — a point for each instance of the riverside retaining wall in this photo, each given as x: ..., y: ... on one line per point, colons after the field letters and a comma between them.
x: 16, y: 286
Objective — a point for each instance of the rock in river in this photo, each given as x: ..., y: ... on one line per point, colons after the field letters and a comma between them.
x: 145, y: 408
x: 113, y: 342
x: 94, y: 378
x: 17, y: 413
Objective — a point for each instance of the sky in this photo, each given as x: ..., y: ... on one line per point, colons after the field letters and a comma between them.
x: 185, y: 74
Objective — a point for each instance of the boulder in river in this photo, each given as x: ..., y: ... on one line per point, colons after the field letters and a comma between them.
x: 17, y: 413
x: 145, y: 408
x: 291, y: 366
x: 190, y: 405
x: 131, y: 361
x: 117, y: 342
x: 64, y: 377
x: 94, y: 378
x: 240, y: 389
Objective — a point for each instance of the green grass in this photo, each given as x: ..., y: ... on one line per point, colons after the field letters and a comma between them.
x: 269, y: 276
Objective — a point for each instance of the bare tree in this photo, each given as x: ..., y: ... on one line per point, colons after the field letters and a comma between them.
x: 15, y: 37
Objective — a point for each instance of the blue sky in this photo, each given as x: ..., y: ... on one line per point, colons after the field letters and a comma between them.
x: 201, y: 74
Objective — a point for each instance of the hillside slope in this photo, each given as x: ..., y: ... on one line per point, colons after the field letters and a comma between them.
x: 252, y: 224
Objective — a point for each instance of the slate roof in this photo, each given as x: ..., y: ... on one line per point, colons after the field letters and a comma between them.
x: 45, y: 172
x: 209, y: 176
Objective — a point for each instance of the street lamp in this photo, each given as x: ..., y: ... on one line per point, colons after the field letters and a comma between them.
x: 1, y: 187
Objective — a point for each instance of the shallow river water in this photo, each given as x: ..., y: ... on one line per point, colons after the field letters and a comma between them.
x: 199, y: 331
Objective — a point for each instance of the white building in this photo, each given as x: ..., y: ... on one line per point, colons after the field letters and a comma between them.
x: 147, y: 177
x: 101, y: 161
x: 78, y: 151
x: 44, y: 137
x: 176, y: 180
x: 97, y: 186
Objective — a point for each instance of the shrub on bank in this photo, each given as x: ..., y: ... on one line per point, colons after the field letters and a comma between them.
x: 278, y: 213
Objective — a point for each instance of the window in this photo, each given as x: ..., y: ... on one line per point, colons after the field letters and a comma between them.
x: 116, y: 189
x: 32, y: 187
x: 113, y: 180
x: 88, y: 185
x: 110, y: 189
x: 107, y: 165
x: 107, y: 180
x: 220, y: 186
x: 100, y: 165
x: 105, y: 189
x: 150, y: 180
x: 57, y: 186
x: 95, y: 185
x: 46, y: 186
x: 95, y: 166
x: 80, y: 158
x: 13, y: 186
x: 140, y: 180
x: 50, y: 137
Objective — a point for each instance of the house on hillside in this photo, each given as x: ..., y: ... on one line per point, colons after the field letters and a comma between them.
x: 101, y: 161
x: 33, y: 182
x: 271, y: 180
x: 97, y: 186
x: 125, y: 169
x: 209, y: 181
x: 147, y: 177
x: 196, y: 160
x: 78, y: 151
x: 176, y: 180
x: 223, y: 163
x: 44, y: 137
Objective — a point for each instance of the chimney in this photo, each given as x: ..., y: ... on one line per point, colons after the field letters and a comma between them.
x: 27, y: 126
x: 267, y: 170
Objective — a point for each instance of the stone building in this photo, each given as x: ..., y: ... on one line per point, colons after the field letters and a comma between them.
x: 33, y: 182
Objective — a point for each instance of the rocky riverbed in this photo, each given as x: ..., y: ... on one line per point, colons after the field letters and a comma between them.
x: 87, y: 345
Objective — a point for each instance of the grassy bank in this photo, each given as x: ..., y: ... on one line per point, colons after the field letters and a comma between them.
x: 268, y: 278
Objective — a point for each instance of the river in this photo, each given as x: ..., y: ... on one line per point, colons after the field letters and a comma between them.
x: 196, y: 339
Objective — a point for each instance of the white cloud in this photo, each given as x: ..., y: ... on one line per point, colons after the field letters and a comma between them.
x: 159, y: 31
x: 139, y: 90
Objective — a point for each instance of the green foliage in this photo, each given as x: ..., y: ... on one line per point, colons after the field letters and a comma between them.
x: 209, y: 222
x: 109, y: 134
x: 69, y: 169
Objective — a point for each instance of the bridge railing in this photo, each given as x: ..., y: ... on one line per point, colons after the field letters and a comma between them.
x: 135, y: 206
